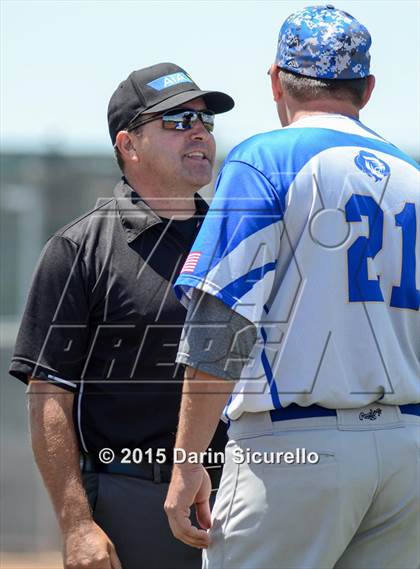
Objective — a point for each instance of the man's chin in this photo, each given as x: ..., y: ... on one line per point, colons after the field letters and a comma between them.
x: 200, y: 184
x: 198, y: 180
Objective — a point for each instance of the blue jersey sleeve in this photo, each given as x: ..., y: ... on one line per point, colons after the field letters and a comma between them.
x: 235, y: 253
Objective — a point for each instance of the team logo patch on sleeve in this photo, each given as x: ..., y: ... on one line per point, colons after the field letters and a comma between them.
x: 371, y: 165
x: 191, y: 262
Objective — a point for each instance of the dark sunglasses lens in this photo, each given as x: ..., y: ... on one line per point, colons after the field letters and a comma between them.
x: 178, y: 119
x: 208, y: 121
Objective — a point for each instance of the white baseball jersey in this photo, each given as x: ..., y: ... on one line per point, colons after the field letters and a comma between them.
x: 312, y: 237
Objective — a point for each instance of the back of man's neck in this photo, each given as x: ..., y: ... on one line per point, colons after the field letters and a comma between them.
x: 326, y: 107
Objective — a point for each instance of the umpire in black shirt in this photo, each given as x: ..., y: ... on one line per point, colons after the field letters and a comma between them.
x: 100, y: 331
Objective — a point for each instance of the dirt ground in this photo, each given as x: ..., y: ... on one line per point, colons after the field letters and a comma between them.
x: 31, y: 561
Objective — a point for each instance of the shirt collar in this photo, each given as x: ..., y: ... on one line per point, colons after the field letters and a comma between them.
x: 136, y: 216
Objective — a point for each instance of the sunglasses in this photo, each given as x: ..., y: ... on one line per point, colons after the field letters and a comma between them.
x: 181, y: 119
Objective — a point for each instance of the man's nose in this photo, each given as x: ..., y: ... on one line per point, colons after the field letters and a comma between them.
x: 199, y: 131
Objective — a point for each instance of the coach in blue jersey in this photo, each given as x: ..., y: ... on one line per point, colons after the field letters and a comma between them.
x: 306, y: 268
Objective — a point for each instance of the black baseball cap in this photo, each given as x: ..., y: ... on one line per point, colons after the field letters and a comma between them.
x: 155, y: 89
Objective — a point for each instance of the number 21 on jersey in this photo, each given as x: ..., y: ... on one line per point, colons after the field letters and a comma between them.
x: 363, y: 289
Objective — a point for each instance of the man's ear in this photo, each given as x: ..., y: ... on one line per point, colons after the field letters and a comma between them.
x: 276, y: 85
x: 370, y: 85
x: 125, y: 145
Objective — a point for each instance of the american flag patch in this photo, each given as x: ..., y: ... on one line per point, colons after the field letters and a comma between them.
x: 191, y: 262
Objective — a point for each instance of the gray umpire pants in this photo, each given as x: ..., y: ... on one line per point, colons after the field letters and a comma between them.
x: 130, y: 511
x: 358, y: 507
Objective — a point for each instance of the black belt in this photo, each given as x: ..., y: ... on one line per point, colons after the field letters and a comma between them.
x: 90, y: 464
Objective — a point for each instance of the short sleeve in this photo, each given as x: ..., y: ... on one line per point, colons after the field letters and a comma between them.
x: 235, y: 254
x: 215, y: 339
x: 53, y: 335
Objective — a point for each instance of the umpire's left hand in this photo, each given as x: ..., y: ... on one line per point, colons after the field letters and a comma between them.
x: 190, y: 485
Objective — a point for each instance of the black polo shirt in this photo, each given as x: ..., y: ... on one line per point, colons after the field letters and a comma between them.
x: 102, y: 321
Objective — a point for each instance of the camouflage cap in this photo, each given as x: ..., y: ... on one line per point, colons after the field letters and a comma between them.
x: 324, y: 43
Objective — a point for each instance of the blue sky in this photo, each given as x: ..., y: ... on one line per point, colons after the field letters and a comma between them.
x: 61, y: 61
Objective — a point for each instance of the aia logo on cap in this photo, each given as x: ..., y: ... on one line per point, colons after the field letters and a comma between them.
x: 371, y: 165
x: 169, y: 81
